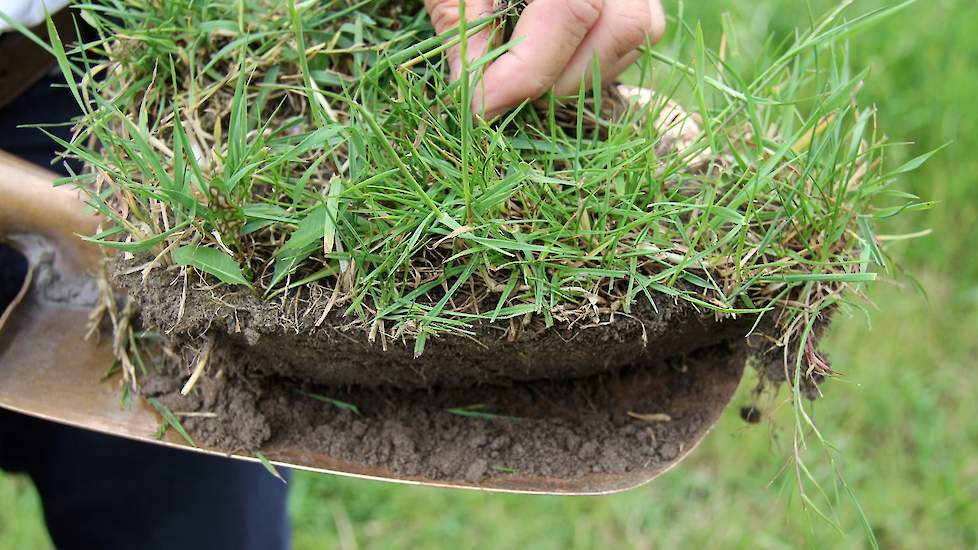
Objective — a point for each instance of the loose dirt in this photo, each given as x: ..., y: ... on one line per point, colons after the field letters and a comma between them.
x: 614, y: 423
x: 560, y: 402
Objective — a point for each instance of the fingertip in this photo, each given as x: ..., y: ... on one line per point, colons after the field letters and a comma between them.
x: 478, y: 102
x: 444, y: 16
x: 658, y: 25
x: 551, y: 31
x: 454, y: 67
x: 508, y: 82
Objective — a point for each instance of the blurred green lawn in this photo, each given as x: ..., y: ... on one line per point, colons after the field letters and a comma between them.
x: 903, y: 414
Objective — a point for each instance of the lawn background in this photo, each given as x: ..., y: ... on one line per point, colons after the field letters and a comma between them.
x: 903, y: 414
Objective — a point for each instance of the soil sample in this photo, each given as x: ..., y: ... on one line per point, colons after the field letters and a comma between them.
x: 561, y: 402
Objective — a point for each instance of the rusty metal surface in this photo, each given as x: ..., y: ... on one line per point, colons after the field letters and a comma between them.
x: 48, y: 369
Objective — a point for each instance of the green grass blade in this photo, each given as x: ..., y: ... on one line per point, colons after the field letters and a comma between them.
x: 211, y: 260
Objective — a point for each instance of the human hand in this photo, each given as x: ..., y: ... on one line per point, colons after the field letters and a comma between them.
x: 560, y: 41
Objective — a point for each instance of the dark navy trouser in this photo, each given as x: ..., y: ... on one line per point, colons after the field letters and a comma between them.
x: 106, y: 493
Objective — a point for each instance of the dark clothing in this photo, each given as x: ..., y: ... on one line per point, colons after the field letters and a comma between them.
x: 103, y: 492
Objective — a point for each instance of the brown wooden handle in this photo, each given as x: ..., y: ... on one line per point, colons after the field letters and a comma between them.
x: 29, y: 203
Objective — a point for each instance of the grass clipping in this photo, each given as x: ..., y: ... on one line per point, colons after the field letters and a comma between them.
x: 316, y: 149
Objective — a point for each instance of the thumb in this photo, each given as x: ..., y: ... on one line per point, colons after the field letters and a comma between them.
x: 445, y: 18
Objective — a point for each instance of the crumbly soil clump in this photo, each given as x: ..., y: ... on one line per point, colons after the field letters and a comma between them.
x: 614, y: 423
x: 568, y: 401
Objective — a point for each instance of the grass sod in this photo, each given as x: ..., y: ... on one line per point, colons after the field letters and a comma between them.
x: 775, y: 227
x: 215, y: 145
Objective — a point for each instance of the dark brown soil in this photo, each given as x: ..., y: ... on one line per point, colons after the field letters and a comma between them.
x: 559, y: 402
x: 552, y: 428
x: 287, y: 342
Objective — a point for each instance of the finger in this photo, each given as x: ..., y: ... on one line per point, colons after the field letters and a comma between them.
x: 444, y: 16
x: 658, y: 30
x: 624, y: 26
x: 551, y: 31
